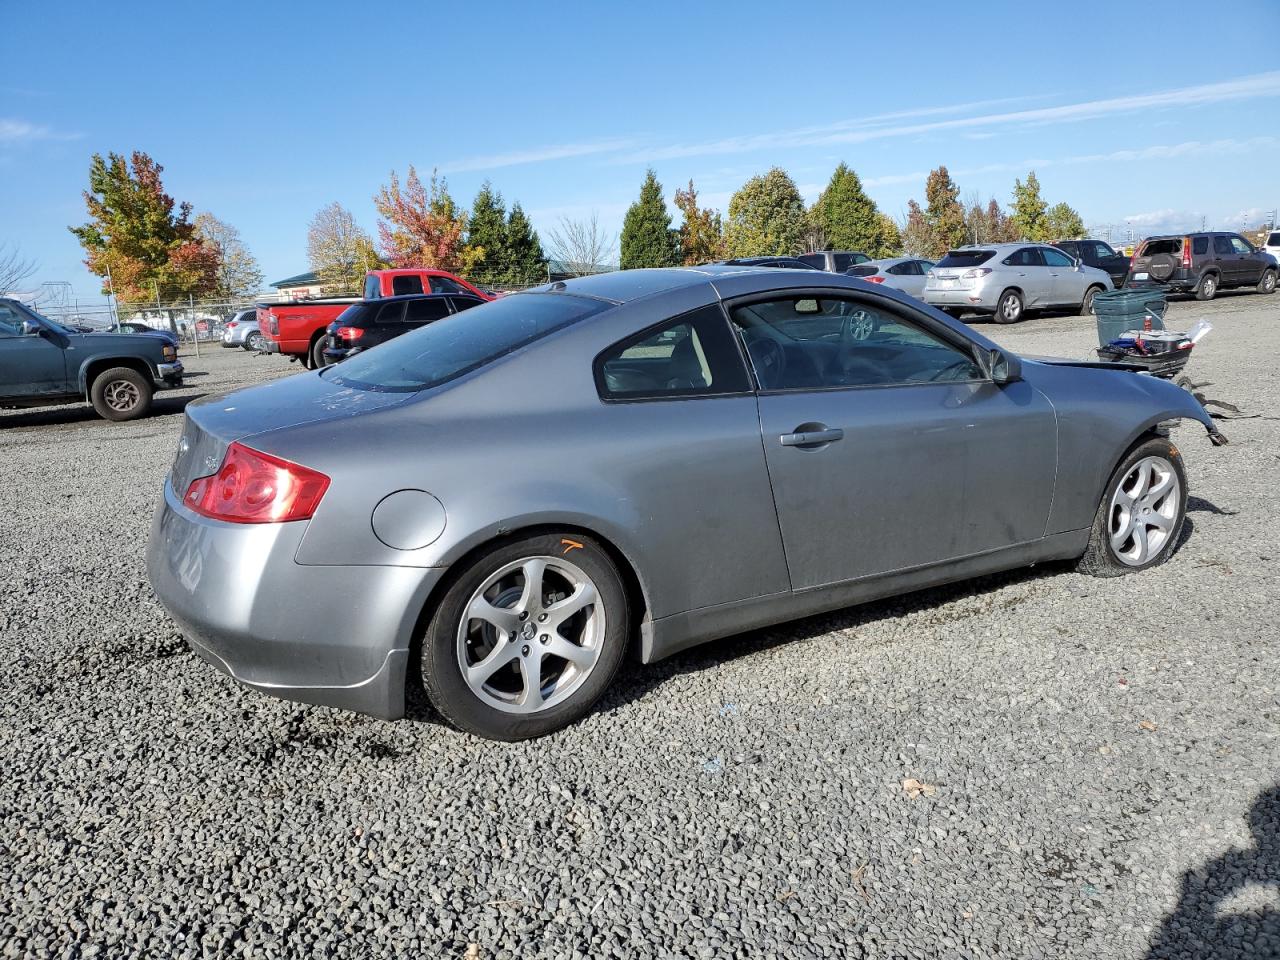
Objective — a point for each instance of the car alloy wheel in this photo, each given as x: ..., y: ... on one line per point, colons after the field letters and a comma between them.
x: 257, y: 341
x: 1144, y: 511
x: 531, y: 634
x: 861, y: 325
x: 1268, y: 284
x: 1009, y: 309
x: 121, y: 396
x: 1208, y: 287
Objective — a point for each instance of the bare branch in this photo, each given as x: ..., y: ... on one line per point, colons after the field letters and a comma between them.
x: 13, y: 269
x: 581, y: 246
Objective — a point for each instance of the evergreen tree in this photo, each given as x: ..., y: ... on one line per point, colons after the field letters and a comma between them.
x: 943, y: 212
x: 701, y: 233
x: 766, y: 217
x: 487, y: 233
x: 525, y: 261
x: 848, y: 219
x: 647, y: 237
x: 1029, y: 210
x: 1063, y: 223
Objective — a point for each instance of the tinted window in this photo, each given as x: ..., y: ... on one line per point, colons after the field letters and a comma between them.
x: 406, y: 284
x: 391, y: 313
x: 966, y: 258
x: 356, y: 315
x: 426, y: 311
x: 1199, y: 246
x: 1273, y: 240
x: 805, y: 343
x: 10, y: 320
x: 458, y: 344
x: 844, y: 261
x: 465, y: 303
x: 1056, y: 258
x: 863, y: 270
x: 445, y: 285
x: 693, y: 355
x: 372, y: 288
x: 818, y: 260
x: 1101, y: 250
x: 1222, y: 245
x: 1070, y: 248
x: 1165, y: 245
x: 1026, y: 257
x: 900, y: 269
x: 1239, y: 246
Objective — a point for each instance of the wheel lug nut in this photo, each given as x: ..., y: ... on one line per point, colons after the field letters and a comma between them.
x: 545, y: 638
x: 542, y: 618
x: 524, y: 651
x: 524, y: 614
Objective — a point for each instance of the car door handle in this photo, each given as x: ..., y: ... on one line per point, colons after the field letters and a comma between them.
x: 811, y: 438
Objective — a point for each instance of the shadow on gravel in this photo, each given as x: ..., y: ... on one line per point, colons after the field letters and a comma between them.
x: 1204, y: 924
x: 75, y: 413
x: 635, y: 679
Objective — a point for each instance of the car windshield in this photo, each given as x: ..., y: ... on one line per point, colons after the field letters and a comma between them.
x: 965, y: 258
x: 57, y: 327
x: 461, y: 343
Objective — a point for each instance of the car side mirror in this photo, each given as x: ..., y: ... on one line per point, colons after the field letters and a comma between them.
x: 1002, y: 367
x: 1079, y: 263
x: 30, y: 328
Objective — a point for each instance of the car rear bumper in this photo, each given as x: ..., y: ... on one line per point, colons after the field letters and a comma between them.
x: 975, y: 298
x: 337, y: 636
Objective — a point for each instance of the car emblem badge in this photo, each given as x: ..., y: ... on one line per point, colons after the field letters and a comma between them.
x: 528, y: 631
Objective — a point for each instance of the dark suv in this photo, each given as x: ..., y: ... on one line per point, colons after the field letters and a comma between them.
x: 1203, y: 264
x: 42, y: 363
x: 1097, y: 253
x: 371, y: 322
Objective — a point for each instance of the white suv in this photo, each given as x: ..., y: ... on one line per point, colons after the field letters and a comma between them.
x: 1271, y: 245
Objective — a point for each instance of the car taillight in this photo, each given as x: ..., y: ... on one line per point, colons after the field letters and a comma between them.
x: 874, y: 279
x: 255, y: 487
x: 232, y: 324
x: 1186, y: 253
x: 349, y: 333
x: 975, y: 273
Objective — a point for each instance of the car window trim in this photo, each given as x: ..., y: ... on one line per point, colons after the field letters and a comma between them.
x: 697, y: 393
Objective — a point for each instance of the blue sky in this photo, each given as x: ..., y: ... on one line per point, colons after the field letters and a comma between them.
x: 262, y: 113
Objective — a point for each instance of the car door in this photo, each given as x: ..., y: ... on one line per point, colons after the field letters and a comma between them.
x: 31, y: 364
x: 1248, y: 264
x: 1068, y: 283
x: 1031, y: 275
x: 891, y: 452
x: 1224, y: 258
x: 424, y: 311
x: 911, y: 278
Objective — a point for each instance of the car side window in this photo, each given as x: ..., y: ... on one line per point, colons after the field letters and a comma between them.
x: 1199, y: 246
x: 1026, y: 257
x: 1102, y: 251
x: 803, y: 342
x: 1239, y: 246
x: 1222, y: 245
x: 372, y: 288
x: 401, y: 286
x: 426, y: 311
x: 901, y: 269
x: 10, y: 322
x: 844, y: 261
x: 445, y: 285
x: 465, y: 303
x: 818, y: 260
x: 390, y: 313
x: 1056, y: 258
x: 689, y: 356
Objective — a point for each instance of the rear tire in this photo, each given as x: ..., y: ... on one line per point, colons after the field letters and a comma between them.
x: 1009, y: 307
x: 317, y: 356
x: 1268, y: 282
x: 121, y: 393
x: 1138, y: 523
x: 255, y: 342
x: 1208, y: 287
x: 505, y: 654
x: 1086, y: 305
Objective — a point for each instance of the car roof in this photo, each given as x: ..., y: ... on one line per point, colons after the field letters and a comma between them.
x: 416, y: 296
x: 623, y: 286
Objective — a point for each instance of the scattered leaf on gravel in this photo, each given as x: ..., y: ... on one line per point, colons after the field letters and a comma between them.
x: 1147, y: 725
x: 473, y: 952
x: 915, y: 787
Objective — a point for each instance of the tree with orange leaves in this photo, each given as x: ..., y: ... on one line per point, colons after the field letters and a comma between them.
x: 422, y: 226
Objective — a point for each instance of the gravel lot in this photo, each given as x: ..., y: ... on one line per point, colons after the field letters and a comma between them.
x: 1098, y: 759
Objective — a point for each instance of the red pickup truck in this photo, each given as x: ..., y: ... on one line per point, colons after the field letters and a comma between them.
x: 297, y: 329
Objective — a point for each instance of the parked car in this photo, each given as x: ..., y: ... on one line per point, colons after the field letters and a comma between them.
x: 298, y: 329
x: 834, y: 261
x: 242, y: 330
x: 130, y: 326
x: 43, y: 363
x: 784, y: 263
x: 507, y: 501
x: 902, y: 273
x: 1098, y: 254
x: 1272, y: 244
x: 1007, y: 279
x: 371, y: 322
x: 1203, y: 264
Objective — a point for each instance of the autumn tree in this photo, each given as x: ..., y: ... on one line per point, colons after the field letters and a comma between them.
x: 850, y: 220
x: 422, y: 226
x: 1029, y: 209
x: 525, y: 261
x: 943, y: 212
x: 487, y: 233
x: 986, y: 223
x: 766, y: 217
x: 339, y: 251
x: 581, y: 246
x: 917, y: 235
x: 647, y: 237
x: 701, y: 232
x: 238, y: 273
x: 139, y: 236
x: 1062, y: 222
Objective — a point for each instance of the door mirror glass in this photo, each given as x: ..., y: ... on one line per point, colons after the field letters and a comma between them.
x: 30, y: 327
x: 1002, y: 367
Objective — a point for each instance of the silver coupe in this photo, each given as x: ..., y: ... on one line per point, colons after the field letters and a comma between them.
x: 505, y: 502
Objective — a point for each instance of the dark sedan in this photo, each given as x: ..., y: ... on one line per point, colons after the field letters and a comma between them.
x: 371, y: 322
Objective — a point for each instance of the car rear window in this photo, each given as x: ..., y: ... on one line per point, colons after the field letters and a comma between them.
x: 458, y: 344
x: 1273, y: 239
x: 355, y: 315
x: 818, y: 260
x: 862, y: 270
x: 1154, y: 248
x: 965, y: 258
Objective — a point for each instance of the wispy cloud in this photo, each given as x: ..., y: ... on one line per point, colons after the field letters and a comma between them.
x: 21, y: 131
x: 536, y: 155
x: 875, y: 128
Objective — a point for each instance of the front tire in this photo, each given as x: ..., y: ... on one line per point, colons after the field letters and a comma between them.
x: 121, y: 393
x: 527, y: 638
x: 1141, y: 513
x: 1208, y: 288
x: 1009, y: 307
x: 1268, y: 282
x: 256, y: 342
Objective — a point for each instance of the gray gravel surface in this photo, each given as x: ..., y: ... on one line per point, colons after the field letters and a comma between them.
x: 1097, y: 759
